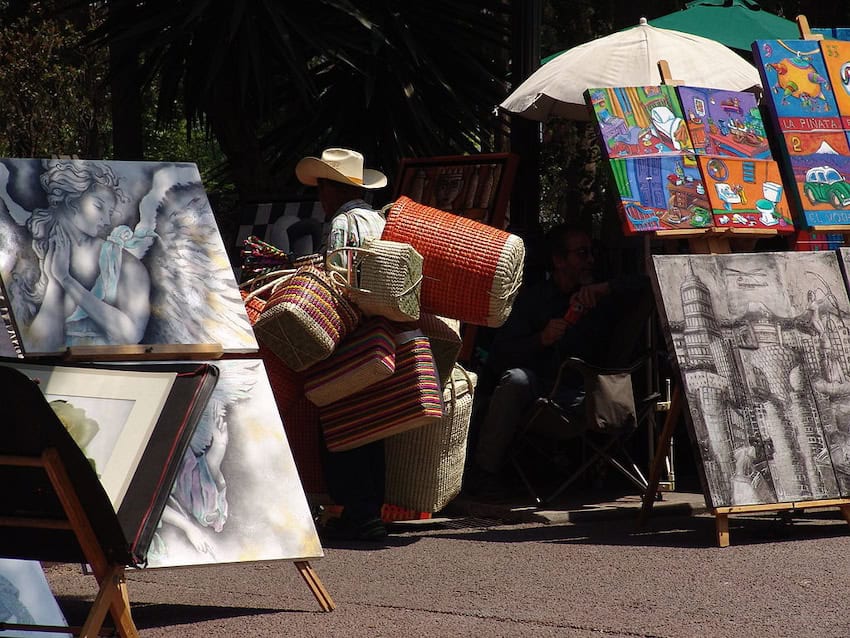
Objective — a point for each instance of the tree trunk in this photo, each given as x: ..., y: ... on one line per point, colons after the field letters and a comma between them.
x: 127, y: 129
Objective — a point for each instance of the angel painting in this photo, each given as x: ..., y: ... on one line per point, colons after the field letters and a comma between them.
x: 114, y: 253
x: 197, y: 505
x: 237, y: 495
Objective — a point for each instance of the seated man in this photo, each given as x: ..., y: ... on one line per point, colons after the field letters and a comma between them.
x: 537, y: 337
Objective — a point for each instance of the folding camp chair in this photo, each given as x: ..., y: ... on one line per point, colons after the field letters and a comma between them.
x: 601, y: 422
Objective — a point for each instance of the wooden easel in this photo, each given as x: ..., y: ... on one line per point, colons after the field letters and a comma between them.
x: 112, y: 594
x: 166, y: 352
x: 716, y: 241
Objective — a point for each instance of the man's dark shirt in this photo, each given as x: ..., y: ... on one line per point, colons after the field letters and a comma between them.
x: 517, y: 344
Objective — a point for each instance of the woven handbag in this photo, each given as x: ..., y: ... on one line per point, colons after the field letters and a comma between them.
x: 362, y: 359
x: 424, y: 467
x: 408, y: 399
x: 471, y: 272
x: 253, y: 306
x: 446, y: 342
x: 301, y: 424
x: 305, y: 318
x: 384, y: 278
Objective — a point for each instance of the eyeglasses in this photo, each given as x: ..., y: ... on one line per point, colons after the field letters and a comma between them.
x: 584, y: 252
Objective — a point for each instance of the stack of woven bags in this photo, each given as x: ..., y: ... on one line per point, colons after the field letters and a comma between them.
x: 365, y: 338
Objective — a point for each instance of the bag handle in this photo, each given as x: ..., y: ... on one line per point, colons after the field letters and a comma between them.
x: 283, y: 277
x: 453, y: 389
x: 341, y: 272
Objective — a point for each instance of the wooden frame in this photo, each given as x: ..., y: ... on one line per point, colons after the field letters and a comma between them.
x: 475, y: 186
x: 122, y: 407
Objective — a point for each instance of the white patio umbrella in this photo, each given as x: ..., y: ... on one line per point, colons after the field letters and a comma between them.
x: 627, y: 58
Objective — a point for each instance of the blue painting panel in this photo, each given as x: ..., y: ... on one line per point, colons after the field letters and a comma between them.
x: 797, y: 87
x: 661, y: 193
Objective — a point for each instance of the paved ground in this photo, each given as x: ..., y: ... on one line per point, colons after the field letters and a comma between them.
x: 502, y: 570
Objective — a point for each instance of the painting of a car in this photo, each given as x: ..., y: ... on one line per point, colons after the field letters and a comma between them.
x: 826, y: 185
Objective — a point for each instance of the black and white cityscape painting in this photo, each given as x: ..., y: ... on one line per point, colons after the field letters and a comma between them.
x: 762, y: 342
x: 114, y: 253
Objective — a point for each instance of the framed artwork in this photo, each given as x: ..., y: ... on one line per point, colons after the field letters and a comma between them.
x: 818, y: 165
x: 635, y: 121
x: 237, y: 496
x: 114, y: 253
x: 26, y: 599
x: 761, y: 342
x: 474, y: 186
x: 836, y: 57
x: 796, y: 85
x: 110, y: 414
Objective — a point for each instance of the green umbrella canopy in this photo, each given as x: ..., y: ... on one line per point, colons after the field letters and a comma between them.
x: 735, y: 23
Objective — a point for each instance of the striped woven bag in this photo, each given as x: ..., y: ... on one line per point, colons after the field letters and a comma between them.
x: 408, y: 399
x: 471, y: 271
x: 305, y: 318
x: 362, y: 359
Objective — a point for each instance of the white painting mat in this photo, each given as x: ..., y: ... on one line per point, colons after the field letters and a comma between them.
x: 125, y: 407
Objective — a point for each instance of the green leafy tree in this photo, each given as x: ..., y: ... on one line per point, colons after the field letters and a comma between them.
x: 52, y: 87
x: 273, y: 81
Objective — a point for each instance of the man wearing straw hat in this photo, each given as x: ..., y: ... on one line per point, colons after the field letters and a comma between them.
x: 355, y: 478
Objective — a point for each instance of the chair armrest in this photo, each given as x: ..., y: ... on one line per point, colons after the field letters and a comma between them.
x: 585, y: 368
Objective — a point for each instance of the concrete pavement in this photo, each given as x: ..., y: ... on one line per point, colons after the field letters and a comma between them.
x: 502, y: 569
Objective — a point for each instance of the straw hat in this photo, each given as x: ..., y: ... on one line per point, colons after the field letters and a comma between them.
x: 340, y: 165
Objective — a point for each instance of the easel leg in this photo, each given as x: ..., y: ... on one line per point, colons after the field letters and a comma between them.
x: 111, y: 597
x: 660, y: 454
x: 845, y: 512
x: 722, y: 523
x: 312, y: 579
x: 120, y: 608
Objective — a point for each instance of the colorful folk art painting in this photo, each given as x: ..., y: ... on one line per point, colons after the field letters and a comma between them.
x: 818, y: 169
x: 724, y: 122
x: 836, y: 55
x: 762, y: 344
x: 796, y: 84
x: 661, y: 193
x: 745, y: 193
x: 639, y: 121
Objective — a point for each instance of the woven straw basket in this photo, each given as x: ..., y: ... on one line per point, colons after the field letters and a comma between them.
x: 446, y: 342
x: 387, y: 280
x: 471, y: 271
x: 305, y: 318
x: 425, y: 466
